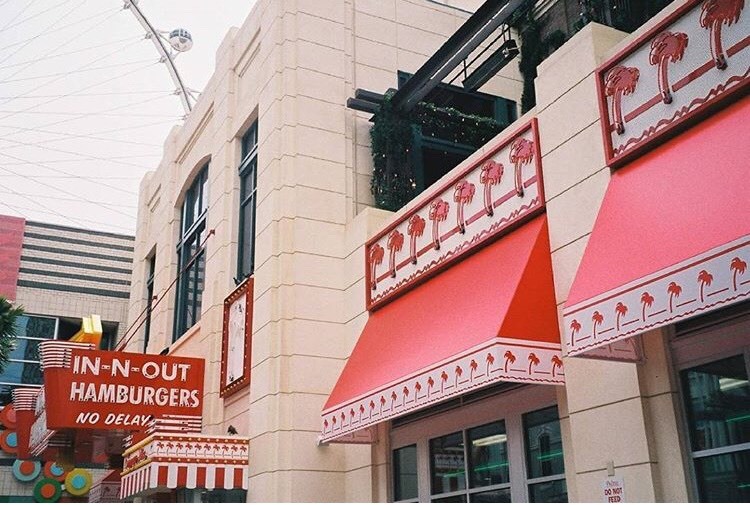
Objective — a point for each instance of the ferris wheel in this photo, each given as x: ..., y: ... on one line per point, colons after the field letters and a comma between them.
x: 169, y: 45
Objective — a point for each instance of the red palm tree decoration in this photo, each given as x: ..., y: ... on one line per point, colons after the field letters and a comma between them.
x: 619, y: 82
x: 521, y: 153
x: 393, y: 399
x: 382, y: 403
x: 395, y: 243
x: 533, y: 361
x: 459, y: 373
x: 646, y: 301
x: 430, y: 384
x: 473, y: 368
x: 417, y: 389
x: 575, y: 327
x: 705, y: 279
x: 376, y: 258
x: 714, y: 14
x: 361, y: 411
x: 509, y: 358
x: 737, y: 266
x: 490, y: 359
x: 620, y: 310
x: 443, y: 380
x: 463, y: 193
x: 666, y: 47
x: 406, y: 393
x: 490, y: 175
x: 415, y: 230
x: 438, y: 213
x: 674, y: 291
x: 597, y: 319
x: 372, y: 406
x: 556, y: 363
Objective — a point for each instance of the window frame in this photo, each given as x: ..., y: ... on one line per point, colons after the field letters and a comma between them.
x: 508, y: 406
x: 248, y: 168
x: 149, y: 300
x: 723, y: 335
x: 4, y: 383
x: 192, y: 229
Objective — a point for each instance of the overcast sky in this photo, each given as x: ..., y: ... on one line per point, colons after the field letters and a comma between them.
x: 85, y: 105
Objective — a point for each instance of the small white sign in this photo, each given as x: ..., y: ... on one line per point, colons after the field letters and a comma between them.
x: 613, y: 490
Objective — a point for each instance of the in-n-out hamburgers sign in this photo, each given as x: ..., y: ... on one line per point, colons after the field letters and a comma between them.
x: 91, y: 389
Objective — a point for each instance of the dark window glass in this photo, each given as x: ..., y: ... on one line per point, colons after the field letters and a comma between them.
x: 544, y: 456
x: 405, y: 473
x: 488, y: 455
x: 447, y: 463
x: 248, y: 191
x: 554, y: 491
x: 460, y: 498
x: 23, y: 366
x: 495, y: 496
x: 724, y: 478
x: 191, y: 256
x: 35, y: 326
x: 544, y: 453
x: 718, y: 403
x: 149, y: 301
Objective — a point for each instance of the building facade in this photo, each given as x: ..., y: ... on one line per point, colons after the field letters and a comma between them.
x: 482, y: 362
x: 59, y: 275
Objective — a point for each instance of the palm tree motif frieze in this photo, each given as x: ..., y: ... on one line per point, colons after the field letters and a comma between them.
x: 451, y: 219
x: 697, y: 285
x: 501, y: 359
x: 697, y: 56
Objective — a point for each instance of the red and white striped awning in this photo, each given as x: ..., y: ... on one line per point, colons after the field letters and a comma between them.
x: 162, y: 476
x: 164, y: 461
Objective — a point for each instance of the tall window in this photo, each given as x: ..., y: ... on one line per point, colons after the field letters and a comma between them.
x: 191, y: 255
x: 23, y: 366
x: 149, y: 300
x: 248, y: 190
x: 467, y: 454
x: 712, y: 355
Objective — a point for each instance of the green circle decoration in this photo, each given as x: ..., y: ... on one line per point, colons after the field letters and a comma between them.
x: 47, y: 491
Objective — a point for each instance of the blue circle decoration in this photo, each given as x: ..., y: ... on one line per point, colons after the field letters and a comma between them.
x: 26, y: 470
x: 12, y: 439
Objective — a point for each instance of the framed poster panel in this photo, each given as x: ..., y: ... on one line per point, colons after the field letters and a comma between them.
x: 237, y: 339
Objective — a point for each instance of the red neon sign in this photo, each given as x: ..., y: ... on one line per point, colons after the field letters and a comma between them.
x: 117, y: 390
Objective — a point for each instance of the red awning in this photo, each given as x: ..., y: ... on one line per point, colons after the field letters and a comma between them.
x: 487, y: 319
x: 672, y: 239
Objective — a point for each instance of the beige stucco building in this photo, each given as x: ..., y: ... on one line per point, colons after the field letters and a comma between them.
x: 275, y: 109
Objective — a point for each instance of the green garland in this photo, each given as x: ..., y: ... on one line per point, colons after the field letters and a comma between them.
x: 393, y: 181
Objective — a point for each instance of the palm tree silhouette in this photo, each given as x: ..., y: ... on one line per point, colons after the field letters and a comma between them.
x: 438, y: 213
x: 376, y: 258
x: 463, y: 193
x: 556, y: 363
x: 737, y: 266
x: 472, y: 368
x: 714, y: 14
x: 415, y: 230
x: 430, y: 384
x: 443, y: 380
x: 620, y: 310
x: 406, y: 393
x: 509, y: 358
x: 459, y: 373
x: 666, y: 47
x: 521, y: 153
x: 646, y: 301
x: 361, y: 411
x: 619, y: 82
x: 395, y: 243
x: 393, y: 399
x: 533, y: 361
x: 490, y: 359
x: 417, y: 389
x: 674, y: 291
x: 705, y: 279
x: 382, y: 404
x: 597, y: 319
x: 490, y: 175
x: 575, y: 327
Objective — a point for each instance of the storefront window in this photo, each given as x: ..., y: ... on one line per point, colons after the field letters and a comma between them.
x: 405, y: 473
x: 544, y: 456
x: 717, y: 400
x: 468, y: 453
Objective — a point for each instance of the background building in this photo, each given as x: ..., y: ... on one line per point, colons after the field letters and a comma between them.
x: 58, y: 275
